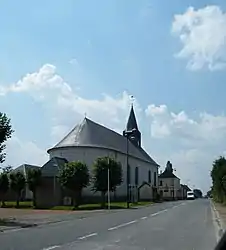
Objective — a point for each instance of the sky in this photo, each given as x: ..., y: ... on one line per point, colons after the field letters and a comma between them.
x: 60, y: 60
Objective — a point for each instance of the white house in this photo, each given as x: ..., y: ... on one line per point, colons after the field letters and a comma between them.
x: 169, y: 184
x: 90, y: 140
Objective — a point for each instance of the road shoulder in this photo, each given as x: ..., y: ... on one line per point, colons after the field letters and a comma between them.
x: 219, y: 218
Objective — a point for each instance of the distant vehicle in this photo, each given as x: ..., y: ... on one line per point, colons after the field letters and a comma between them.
x: 190, y: 195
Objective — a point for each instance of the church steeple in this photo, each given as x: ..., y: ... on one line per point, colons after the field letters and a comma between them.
x: 135, y: 137
x: 131, y: 123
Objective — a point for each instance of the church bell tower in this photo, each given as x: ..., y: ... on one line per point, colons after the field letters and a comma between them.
x: 134, y: 134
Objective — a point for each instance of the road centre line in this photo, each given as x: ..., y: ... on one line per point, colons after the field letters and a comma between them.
x: 87, y: 236
x: 134, y: 221
x: 122, y: 225
x: 160, y: 212
x: 50, y: 248
x: 116, y: 227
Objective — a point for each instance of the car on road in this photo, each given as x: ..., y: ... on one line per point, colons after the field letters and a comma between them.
x: 190, y: 195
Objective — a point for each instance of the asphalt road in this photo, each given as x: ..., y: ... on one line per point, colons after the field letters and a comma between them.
x: 185, y: 225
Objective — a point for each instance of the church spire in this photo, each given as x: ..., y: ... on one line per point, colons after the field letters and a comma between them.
x: 135, y: 137
x: 131, y: 123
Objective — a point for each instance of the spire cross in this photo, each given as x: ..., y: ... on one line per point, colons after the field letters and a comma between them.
x: 85, y: 114
x: 132, y: 99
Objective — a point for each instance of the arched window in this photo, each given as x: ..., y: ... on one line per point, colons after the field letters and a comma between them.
x: 149, y: 176
x: 155, y: 178
x: 128, y: 174
x: 136, y: 176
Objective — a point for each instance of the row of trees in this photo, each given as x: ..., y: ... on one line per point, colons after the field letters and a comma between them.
x: 75, y: 176
x: 218, y: 175
x: 16, y: 182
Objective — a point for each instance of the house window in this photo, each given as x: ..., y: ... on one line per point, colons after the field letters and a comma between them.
x: 136, y: 176
x: 172, y: 182
x: 160, y: 183
x: 149, y: 176
x: 155, y: 178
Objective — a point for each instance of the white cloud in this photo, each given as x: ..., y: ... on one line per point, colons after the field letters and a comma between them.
x: 74, y: 61
x: 190, y: 143
x: 207, y: 128
x: 203, y: 36
x: 20, y: 152
x: 65, y: 105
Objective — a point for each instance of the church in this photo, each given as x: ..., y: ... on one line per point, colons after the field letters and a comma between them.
x: 89, y: 140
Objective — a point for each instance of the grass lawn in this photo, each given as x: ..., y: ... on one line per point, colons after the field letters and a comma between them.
x: 23, y: 204
x: 96, y: 206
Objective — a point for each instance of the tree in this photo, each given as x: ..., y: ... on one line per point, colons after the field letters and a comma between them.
x: 209, y: 193
x: 17, y: 183
x: 218, y: 174
x: 34, y: 178
x: 5, y: 133
x: 197, y: 193
x: 100, y: 176
x: 4, y: 186
x: 74, y: 176
x: 7, y: 169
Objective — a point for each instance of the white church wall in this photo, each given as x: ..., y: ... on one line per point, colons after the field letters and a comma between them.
x: 90, y: 154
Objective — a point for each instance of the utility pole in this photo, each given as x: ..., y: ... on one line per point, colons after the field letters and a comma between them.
x: 127, y: 134
x: 127, y: 171
x: 109, y: 201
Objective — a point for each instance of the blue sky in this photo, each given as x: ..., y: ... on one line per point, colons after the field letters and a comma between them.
x: 110, y: 47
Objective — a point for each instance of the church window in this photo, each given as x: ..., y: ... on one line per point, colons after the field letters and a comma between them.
x: 128, y: 174
x: 136, y: 176
x: 149, y: 176
x: 155, y: 178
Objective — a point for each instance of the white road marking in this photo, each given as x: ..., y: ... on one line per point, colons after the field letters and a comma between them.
x: 122, y: 225
x: 50, y: 248
x: 144, y: 218
x: 87, y: 236
x: 162, y: 211
x: 13, y: 230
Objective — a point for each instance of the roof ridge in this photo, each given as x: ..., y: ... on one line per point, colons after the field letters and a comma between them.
x: 93, y: 134
x: 102, y: 126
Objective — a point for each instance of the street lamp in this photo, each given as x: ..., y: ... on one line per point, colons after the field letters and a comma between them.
x: 174, y: 185
x: 127, y: 134
x: 109, y: 202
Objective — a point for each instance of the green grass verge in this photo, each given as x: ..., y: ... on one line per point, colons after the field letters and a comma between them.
x: 94, y: 206
x: 22, y: 204
x: 97, y: 206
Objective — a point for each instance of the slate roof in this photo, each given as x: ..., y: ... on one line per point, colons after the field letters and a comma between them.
x: 91, y: 134
x: 52, y: 167
x: 168, y: 174
x: 186, y: 187
x: 24, y: 168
